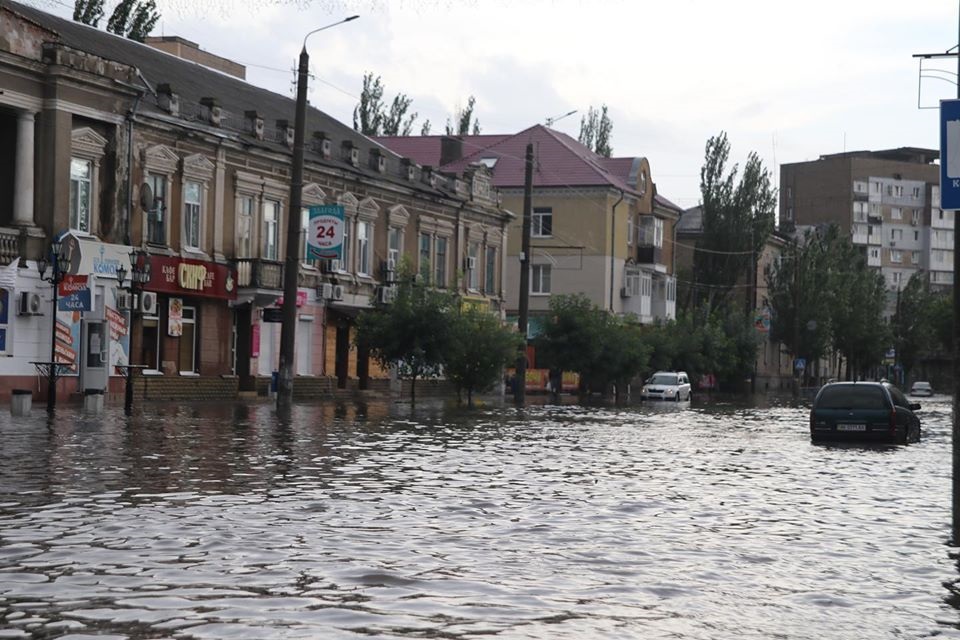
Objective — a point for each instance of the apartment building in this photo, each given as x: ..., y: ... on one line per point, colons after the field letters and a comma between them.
x: 888, y: 201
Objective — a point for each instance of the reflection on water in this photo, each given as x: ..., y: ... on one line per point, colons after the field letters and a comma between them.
x: 358, y: 520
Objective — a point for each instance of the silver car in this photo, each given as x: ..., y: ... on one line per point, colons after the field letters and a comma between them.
x: 667, y: 385
x: 921, y: 389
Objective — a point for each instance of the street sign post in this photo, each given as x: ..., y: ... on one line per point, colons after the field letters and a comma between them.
x: 950, y: 154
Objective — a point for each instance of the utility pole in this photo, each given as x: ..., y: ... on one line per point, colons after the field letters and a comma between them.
x: 520, y: 388
x: 796, y: 318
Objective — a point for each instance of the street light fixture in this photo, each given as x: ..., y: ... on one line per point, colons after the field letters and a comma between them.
x: 291, y: 270
x: 139, y: 275
x: 54, y: 260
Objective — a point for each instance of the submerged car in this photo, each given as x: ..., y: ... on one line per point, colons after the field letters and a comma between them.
x: 865, y: 411
x: 667, y: 385
x: 921, y: 389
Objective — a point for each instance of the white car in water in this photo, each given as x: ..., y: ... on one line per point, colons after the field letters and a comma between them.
x: 667, y: 385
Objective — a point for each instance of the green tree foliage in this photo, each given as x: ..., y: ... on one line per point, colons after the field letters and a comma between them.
x: 88, y: 12
x: 463, y: 122
x: 133, y: 19
x: 823, y: 295
x: 412, y: 333
x: 738, y: 217
x: 571, y: 337
x: 425, y: 129
x: 922, y: 324
x: 372, y: 116
x: 596, y: 130
x: 479, y: 348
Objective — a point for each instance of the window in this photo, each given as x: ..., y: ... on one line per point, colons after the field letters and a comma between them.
x: 875, y: 253
x: 896, y: 213
x: 81, y: 193
x: 424, y: 252
x: 896, y: 234
x: 870, y: 230
x: 490, y: 272
x: 271, y: 220
x: 895, y: 277
x: 876, y: 187
x: 629, y: 229
x: 156, y: 227
x: 192, y: 212
x: 440, y: 259
x: 305, y: 235
x: 540, y: 278
x: 916, y: 236
x: 245, y: 227
x: 346, y: 249
x: 915, y: 257
x: 363, y: 248
x: 150, y: 348
x: 859, y: 187
x: 473, y: 273
x: 657, y: 232
x: 896, y: 256
x: 188, y: 341
x: 916, y: 192
x: 874, y: 209
x: 542, y: 222
x: 860, y: 211
x: 4, y: 319
x: 916, y: 216
x: 394, y: 240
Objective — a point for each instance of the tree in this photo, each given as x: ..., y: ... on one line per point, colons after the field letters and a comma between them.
x: 88, y: 12
x: 738, y: 217
x: 133, y: 19
x: 412, y: 333
x: 425, y: 129
x: 596, y: 129
x: 396, y: 122
x: 368, y: 114
x: 914, y: 323
x: 462, y: 119
x: 571, y: 336
x: 479, y: 348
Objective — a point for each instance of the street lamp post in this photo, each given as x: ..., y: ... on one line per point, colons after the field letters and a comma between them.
x: 291, y: 270
x: 139, y: 275
x: 54, y: 278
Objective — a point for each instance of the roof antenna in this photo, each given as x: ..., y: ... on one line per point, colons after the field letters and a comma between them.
x: 549, y: 121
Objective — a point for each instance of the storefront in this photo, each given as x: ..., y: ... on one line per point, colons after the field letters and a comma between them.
x: 184, y: 323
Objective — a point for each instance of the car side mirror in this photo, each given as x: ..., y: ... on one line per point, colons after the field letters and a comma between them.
x: 914, y: 406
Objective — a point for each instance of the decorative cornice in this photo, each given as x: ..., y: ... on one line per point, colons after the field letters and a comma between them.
x: 198, y: 166
x: 87, y: 143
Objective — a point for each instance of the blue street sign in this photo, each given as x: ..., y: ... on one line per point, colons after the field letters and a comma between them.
x: 950, y: 154
x: 800, y: 364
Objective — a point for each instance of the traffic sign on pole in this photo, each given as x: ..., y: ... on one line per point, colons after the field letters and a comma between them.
x: 950, y: 154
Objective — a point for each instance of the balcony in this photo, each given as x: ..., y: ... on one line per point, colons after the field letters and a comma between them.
x: 9, y: 245
x: 651, y: 255
x: 258, y: 281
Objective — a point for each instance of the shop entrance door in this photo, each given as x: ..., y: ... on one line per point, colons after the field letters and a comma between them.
x: 95, y: 356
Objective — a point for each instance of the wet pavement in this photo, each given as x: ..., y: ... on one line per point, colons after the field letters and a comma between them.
x: 353, y: 521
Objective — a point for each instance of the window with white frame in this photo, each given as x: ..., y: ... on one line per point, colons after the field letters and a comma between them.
x: 473, y: 266
x: 346, y: 249
x: 245, y: 227
x: 81, y: 193
x: 540, y: 278
x: 394, y: 242
x: 874, y: 209
x: 896, y: 213
x: 630, y: 229
x: 876, y: 187
x: 896, y: 234
x: 192, y: 213
x: 156, y: 214
x: 916, y: 192
x: 916, y: 216
x: 490, y: 272
x: 896, y: 256
x: 895, y: 277
x: 875, y: 253
x: 305, y: 237
x: 859, y: 186
x: 542, y: 222
x: 271, y: 222
x: 915, y: 257
x: 657, y: 232
x: 363, y: 247
x: 860, y: 211
x: 440, y: 261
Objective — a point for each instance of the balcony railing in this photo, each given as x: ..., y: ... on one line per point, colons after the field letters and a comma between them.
x: 9, y: 245
x: 255, y: 273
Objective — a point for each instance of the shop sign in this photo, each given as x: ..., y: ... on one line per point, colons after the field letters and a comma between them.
x: 86, y: 256
x: 301, y: 299
x: 74, y: 292
x: 184, y: 276
x: 271, y: 314
x: 325, y: 236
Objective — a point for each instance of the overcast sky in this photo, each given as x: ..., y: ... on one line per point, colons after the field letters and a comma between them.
x: 790, y: 81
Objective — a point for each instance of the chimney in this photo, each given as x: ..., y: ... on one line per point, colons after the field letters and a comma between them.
x: 211, y: 110
x: 253, y: 122
x: 451, y: 149
x: 187, y: 50
x: 168, y: 100
x: 286, y: 132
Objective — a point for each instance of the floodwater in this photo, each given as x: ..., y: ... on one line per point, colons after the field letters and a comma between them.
x: 711, y: 521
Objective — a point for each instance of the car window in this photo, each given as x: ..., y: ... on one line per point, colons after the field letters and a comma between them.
x: 664, y: 378
x: 852, y: 397
x: 898, y: 398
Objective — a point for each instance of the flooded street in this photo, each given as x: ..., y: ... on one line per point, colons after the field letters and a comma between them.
x: 354, y: 521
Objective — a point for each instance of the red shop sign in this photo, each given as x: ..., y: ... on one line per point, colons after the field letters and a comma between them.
x: 301, y: 298
x: 186, y: 277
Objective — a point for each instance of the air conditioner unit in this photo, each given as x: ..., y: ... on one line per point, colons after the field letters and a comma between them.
x: 337, y: 292
x: 148, y: 303
x: 471, y: 263
x: 324, y: 291
x: 126, y: 301
x: 386, y: 295
x: 29, y: 303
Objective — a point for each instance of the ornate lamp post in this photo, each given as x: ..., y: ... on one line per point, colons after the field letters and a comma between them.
x: 291, y: 266
x: 54, y: 260
x: 139, y: 275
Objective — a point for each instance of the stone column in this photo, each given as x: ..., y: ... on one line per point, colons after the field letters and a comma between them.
x: 23, y: 173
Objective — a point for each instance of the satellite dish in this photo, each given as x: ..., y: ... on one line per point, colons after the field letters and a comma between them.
x: 146, y: 197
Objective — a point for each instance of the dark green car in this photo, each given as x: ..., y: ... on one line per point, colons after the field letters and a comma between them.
x: 863, y: 411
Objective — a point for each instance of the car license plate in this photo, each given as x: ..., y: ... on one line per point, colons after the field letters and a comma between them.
x: 852, y: 427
